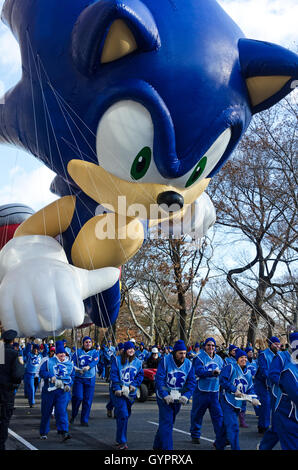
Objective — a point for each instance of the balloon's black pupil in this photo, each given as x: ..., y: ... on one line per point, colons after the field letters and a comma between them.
x: 141, y: 164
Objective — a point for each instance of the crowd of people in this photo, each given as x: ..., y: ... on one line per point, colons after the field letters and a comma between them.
x: 219, y: 379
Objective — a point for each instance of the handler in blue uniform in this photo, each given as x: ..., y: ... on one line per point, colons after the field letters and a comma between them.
x: 286, y: 407
x: 85, y: 361
x: 230, y: 359
x: 235, y: 380
x: 207, y: 367
x: 252, y: 366
x: 175, y: 383
x: 142, y: 353
x: 110, y: 404
x: 31, y: 378
x: 58, y: 373
x: 126, y: 376
x: 262, y: 385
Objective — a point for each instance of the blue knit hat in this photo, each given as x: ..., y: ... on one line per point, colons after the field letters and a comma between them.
x: 179, y: 346
x: 249, y: 348
x: 120, y: 346
x: 231, y: 347
x: 60, y: 347
x: 35, y: 346
x: 240, y: 353
x: 128, y: 345
x: 85, y: 338
x: 197, y: 345
x: 210, y: 339
x: 273, y: 339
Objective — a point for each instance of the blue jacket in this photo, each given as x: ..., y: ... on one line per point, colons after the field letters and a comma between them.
x: 33, y: 363
x: 252, y: 366
x: 264, y: 360
x: 231, y: 378
x: 287, y: 397
x: 142, y: 355
x: 130, y: 373
x: 83, y: 358
x: 278, y: 363
x: 61, y: 370
x: 204, y: 366
x: 229, y: 360
x: 171, y: 377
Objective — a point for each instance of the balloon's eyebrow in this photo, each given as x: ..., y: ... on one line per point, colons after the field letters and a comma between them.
x: 94, y: 23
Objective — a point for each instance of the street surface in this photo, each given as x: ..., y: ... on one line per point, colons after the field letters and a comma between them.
x: 100, y: 434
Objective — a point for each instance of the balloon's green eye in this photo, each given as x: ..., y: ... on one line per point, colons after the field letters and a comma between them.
x: 197, y: 172
x: 141, y: 164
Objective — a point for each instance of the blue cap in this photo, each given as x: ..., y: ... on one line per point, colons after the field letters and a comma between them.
x: 35, y: 346
x: 128, y: 345
x: 273, y: 339
x: 197, y: 345
x: 120, y: 346
x: 180, y: 346
x: 209, y: 339
x: 60, y: 347
x: 9, y: 335
x: 249, y: 348
x: 231, y: 347
x: 240, y: 353
x: 85, y: 338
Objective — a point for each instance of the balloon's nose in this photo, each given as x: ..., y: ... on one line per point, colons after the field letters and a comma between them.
x: 170, y: 200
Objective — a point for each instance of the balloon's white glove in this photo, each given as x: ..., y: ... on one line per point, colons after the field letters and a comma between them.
x: 125, y: 391
x: 40, y: 292
x: 168, y: 399
x: 183, y: 400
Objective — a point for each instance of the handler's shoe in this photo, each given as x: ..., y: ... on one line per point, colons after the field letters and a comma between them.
x: 43, y: 437
x: 195, y: 440
x: 84, y: 424
x: 65, y: 436
x: 109, y: 414
x: 122, y: 446
x: 242, y: 421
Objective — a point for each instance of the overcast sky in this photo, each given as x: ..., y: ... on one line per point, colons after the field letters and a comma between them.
x: 23, y: 179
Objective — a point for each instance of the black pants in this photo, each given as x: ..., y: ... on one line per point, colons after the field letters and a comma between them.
x: 6, y: 410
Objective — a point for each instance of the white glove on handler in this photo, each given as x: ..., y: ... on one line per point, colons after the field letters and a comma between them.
x: 40, y: 292
x: 59, y: 384
x: 255, y: 402
x: 168, y: 399
x: 53, y: 379
x: 183, y: 400
x: 238, y: 394
x: 125, y: 391
x: 132, y: 389
x: 85, y: 369
x: 66, y: 388
x: 118, y: 393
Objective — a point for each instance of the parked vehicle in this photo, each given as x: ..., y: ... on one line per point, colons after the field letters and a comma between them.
x: 147, y: 387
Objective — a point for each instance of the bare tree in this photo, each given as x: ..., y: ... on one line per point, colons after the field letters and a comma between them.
x: 256, y: 195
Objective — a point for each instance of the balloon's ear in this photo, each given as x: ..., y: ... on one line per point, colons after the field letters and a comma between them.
x: 269, y: 70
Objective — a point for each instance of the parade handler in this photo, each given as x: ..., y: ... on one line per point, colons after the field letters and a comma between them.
x: 126, y: 376
x: 58, y: 373
x: 236, y: 385
x: 85, y: 361
x: 207, y: 366
x: 175, y: 383
x: 262, y: 383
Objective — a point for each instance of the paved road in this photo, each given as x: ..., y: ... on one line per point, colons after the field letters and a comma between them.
x: 100, y: 435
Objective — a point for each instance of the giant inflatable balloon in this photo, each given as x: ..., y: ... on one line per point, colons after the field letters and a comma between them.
x: 135, y: 105
x: 11, y: 217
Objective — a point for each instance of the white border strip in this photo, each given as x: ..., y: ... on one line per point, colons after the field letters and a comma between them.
x: 184, y: 432
x: 23, y: 441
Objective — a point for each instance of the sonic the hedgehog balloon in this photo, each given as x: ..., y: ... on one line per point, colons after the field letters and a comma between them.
x: 135, y: 105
